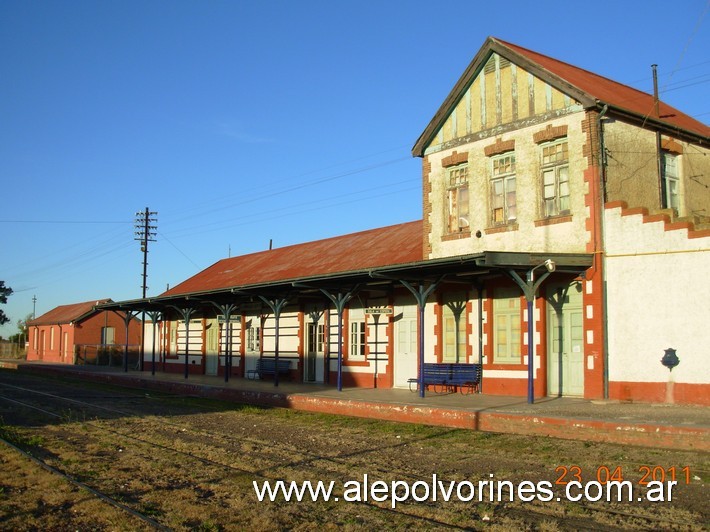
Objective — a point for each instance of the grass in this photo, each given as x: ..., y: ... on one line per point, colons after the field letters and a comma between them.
x: 14, y: 436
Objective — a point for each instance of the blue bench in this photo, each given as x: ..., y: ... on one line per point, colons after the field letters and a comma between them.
x: 446, y: 377
x: 269, y: 366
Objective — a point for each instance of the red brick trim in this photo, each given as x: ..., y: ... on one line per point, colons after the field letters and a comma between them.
x: 672, y: 146
x: 426, y: 207
x: 643, y: 211
x: 660, y: 392
x: 699, y: 234
x: 499, y: 147
x: 501, y: 229
x: 618, y: 204
x: 668, y: 223
x: 454, y: 159
x: 550, y: 133
x: 456, y: 236
x: 553, y: 220
x: 677, y: 225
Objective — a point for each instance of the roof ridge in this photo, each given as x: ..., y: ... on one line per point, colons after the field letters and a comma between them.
x: 326, y: 239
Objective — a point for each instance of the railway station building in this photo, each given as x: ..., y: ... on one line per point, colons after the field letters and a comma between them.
x: 564, y: 248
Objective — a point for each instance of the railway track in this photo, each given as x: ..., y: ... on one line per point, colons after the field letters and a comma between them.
x: 127, y: 446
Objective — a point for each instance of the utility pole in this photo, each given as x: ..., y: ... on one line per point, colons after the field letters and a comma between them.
x: 145, y: 232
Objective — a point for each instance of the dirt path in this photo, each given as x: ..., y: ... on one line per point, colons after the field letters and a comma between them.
x: 191, y: 464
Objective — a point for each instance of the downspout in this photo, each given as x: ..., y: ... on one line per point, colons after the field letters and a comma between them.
x: 602, y: 202
x: 663, y: 201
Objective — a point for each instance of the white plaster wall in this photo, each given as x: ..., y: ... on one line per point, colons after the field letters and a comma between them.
x: 148, y: 341
x: 658, y: 293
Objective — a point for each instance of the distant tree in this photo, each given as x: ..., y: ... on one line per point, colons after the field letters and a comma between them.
x: 22, y: 328
x: 5, y: 292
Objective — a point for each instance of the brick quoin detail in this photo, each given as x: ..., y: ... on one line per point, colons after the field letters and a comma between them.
x: 594, y: 376
x: 454, y: 159
x: 426, y: 206
x: 550, y: 133
x: 500, y: 146
x: 668, y: 224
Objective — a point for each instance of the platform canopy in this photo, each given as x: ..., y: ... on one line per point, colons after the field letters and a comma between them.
x: 462, y: 269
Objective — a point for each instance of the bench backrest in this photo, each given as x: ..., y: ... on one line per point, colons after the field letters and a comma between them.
x: 453, y: 371
x: 269, y: 364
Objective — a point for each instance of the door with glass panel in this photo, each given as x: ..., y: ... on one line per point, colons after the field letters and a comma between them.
x: 314, y: 366
x: 565, y: 344
x: 405, y: 353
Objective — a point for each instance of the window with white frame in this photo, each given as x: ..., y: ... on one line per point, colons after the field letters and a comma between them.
x: 357, y: 340
x: 173, y: 334
x: 457, y: 208
x: 503, y: 202
x: 555, y: 178
x: 253, y: 334
x: 671, y: 182
x: 506, y: 326
x: 108, y: 335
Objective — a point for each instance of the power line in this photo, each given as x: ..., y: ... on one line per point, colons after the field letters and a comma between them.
x: 690, y: 39
x: 280, y: 191
x: 80, y: 222
x: 179, y: 250
x: 209, y: 205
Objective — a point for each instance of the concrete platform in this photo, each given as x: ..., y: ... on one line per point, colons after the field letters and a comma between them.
x: 649, y: 425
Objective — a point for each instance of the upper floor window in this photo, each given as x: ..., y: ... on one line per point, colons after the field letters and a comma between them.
x: 671, y: 182
x: 503, y: 203
x: 555, y: 178
x: 457, y: 211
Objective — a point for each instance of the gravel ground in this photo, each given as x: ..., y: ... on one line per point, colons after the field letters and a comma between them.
x: 191, y: 464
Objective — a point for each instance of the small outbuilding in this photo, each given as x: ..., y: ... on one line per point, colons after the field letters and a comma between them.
x: 74, y: 333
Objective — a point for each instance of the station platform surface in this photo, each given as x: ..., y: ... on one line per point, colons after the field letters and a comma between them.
x: 671, y: 426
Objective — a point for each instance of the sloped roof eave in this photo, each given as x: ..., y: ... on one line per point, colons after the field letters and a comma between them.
x: 587, y: 100
x: 83, y: 312
x: 490, y: 46
x: 650, y: 121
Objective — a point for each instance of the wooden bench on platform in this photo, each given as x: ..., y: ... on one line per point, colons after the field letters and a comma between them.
x: 268, y: 366
x: 446, y: 377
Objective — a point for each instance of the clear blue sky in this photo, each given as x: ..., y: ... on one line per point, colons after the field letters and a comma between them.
x: 241, y: 122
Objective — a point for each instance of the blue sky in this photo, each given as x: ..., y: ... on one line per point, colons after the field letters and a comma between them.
x: 244, y: 122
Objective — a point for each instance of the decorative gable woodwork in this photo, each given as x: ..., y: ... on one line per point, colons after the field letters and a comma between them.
x: 501, y: 96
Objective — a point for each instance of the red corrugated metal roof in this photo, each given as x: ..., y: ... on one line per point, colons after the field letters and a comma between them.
x: 67, y: 313
x: 397, y: 244
x: 611, y: 92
